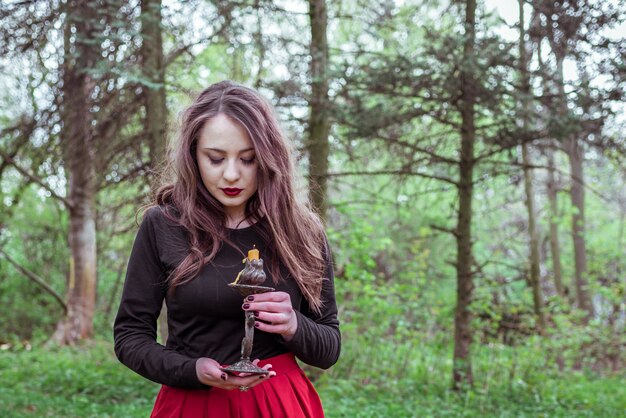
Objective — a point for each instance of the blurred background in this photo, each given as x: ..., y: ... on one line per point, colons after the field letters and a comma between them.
x: 468, y: 158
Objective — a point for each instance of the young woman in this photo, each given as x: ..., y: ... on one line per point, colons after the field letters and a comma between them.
x: 232, y: 191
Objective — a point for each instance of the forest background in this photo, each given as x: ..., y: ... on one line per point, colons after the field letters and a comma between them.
x: 468, y: 160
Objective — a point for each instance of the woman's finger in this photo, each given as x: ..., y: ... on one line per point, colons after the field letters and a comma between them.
x: 269, y: 297
x: 267, y: 306
x: 272, y: 318
x: 283, y: 328
x: 250, y: 381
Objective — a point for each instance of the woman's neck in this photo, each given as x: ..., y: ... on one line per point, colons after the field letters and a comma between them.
x: 237, y: 221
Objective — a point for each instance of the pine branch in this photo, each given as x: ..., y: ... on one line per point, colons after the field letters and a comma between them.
x: 33, y: 178
x: 446, y: 230
x: 32, y: 276
x: 401, y: 172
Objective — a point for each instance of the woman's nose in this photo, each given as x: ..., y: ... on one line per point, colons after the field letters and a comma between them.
x: 231, y: 172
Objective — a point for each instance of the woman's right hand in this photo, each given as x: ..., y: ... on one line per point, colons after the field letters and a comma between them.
x: 209, y: 373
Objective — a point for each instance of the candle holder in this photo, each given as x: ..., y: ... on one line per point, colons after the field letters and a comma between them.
x: 247, y: 283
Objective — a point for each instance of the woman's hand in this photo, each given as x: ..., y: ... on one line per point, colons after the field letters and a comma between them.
x: 274, y: 313
x: 209, y: 373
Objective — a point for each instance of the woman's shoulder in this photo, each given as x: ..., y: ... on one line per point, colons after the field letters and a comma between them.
x: 161, y: 216
x: 171, y: 236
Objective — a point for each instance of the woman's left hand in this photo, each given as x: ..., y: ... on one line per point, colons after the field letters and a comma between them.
x: 273, y: 313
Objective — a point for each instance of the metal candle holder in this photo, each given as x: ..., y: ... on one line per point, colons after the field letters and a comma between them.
x: 253, y: 272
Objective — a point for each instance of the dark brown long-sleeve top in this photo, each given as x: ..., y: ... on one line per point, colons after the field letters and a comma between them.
x: 204, y: 316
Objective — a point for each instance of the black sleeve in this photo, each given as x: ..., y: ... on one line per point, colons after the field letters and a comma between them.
x: 317, y: 340
x: 135, y: 326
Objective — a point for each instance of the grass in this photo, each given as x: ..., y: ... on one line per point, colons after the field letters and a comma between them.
x: 379, y: 380
x: 84, y: 381
x: 413, y: 380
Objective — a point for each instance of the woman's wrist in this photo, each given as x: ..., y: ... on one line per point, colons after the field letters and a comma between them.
x: 292, y: 329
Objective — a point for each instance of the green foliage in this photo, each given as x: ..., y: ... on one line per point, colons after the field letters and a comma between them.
x: 85, y: 381
x: 404, y: 380
x: 35, y: 239
x: 386, y: 380
x: 384, y: 275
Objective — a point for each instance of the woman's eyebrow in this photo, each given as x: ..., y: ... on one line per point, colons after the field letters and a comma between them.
x: 221, y: 151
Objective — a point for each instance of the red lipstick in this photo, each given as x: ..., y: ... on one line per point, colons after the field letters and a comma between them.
x: 231, y: 191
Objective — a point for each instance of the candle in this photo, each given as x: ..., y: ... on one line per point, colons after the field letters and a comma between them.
x: 253, y: 254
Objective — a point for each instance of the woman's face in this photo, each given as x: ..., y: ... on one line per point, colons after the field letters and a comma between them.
x: 228, y: 165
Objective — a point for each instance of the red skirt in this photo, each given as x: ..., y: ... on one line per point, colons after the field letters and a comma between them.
x: 289, y: 394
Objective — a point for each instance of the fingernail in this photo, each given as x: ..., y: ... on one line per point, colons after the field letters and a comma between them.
x: 246, y: 305
x: 262, y: 376
x: 250, y: 298
x: 223, y: 376
x: 256, y: 325
x: 256, y: 313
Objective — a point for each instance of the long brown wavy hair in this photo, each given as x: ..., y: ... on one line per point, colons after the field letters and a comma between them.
x: 294, y: 233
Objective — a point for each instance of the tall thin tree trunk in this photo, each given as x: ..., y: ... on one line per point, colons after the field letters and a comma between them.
x: 155, y: 122
x: 555, y: 248
x: 319, y: 125
x: 78, y: 154
x: 261, y: 50
x: 535, y: 279
x: 613, y: 318
x: 462, y: 368
x: 577, y: 196
x: 551, y: 185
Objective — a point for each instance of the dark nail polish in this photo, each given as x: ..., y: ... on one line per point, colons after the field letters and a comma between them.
x: 246, y: 305
x: 256, y: 313
x: 256, y: 325
x: 223, y: 376
x: 250, y: 298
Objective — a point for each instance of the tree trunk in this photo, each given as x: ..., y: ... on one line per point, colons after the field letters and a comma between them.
x: 557, y: 35
x: 552, y: 187
x: 462, y: 368
x: 261, y: 50
x: 615, y: 315
x: 577, y: 196
x: 78, y: 153
x: 319, y: 126
x: 535, y: 280
x: 155, y: 123
x: 555, y: 248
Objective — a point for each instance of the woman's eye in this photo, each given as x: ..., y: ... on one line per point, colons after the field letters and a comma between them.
x: 248, y: 161
x: 215, y: 161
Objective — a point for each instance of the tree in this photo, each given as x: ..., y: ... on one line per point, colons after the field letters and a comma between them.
x: 319, y: 125
x: 153, y: 66
x: 83, y: 129
x: 77, y: 142
x: 462, y: 369
x: 525, y: 112
x: 574, y: 31
x: 435, y: 100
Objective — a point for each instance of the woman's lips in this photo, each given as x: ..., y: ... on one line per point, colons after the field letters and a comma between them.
x: 231, y: 191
